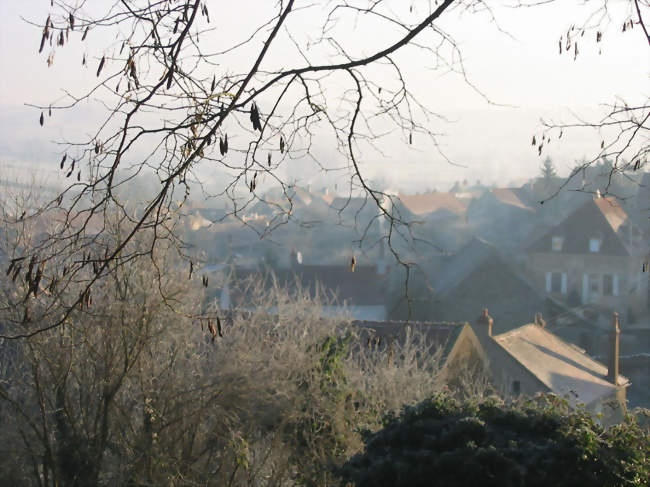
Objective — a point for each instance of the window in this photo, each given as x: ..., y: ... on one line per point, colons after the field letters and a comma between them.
x: 595, y: 283
x: 594, y: 245
x: 556, y: 282
x: 557, y: 243
x: 610, y: 285
x: 516, y: 387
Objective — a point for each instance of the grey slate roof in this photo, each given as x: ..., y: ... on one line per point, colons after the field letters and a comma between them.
x: 439, y: 335
x: 362, y: 287
x: 563, y: 368
x: 463, y: 263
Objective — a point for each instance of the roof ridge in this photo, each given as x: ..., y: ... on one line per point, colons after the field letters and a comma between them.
x: 514, y: 331
x: 404, y: 322
x: 606, y: 220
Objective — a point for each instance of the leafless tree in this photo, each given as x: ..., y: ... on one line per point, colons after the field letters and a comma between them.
x: 624, y: 127
x: 131, y: 391
x: 176, y: 103
x: 179, y: 99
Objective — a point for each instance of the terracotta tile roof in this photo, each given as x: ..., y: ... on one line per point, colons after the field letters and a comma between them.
x: 325, y: 195
x: 328, y: 198
x: 512, y: 196
x: 563, y: 368
x: 598, y: 218
x: 612, y: 211
x: 422, y: 204
x: 196, y: 221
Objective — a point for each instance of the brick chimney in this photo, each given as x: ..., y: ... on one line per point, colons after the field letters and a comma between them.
x: 614, y: 338
x: 484, y: 323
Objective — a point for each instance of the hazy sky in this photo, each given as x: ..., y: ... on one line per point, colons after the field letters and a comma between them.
x: 521, y: 69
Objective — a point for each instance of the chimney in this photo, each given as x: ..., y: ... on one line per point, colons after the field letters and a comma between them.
x: 485, y: 322
x: 612, y: 364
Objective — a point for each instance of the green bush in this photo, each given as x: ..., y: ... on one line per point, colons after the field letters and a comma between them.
x: 533, y: 442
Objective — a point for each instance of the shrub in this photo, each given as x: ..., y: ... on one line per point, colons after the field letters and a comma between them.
x: 133, y: 391
x: 534, y: 442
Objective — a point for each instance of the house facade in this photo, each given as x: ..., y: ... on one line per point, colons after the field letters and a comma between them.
x: 530, y: 359
x: 593, y: 257
x: 526, y: 360
x: 433, y: 206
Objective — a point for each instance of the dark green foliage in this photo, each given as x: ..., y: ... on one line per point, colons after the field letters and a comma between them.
x: 321, y: 435
x: 536, y: 442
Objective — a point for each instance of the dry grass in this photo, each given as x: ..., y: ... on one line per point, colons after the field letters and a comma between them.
x: 133, y: 390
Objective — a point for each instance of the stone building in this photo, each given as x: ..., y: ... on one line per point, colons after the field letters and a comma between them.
x: 530, y: 359
x: 593, y: 257
x: 524, y: 361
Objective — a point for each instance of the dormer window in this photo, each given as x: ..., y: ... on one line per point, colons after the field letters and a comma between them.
x: 594, y: 245
x: 557, y: 243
